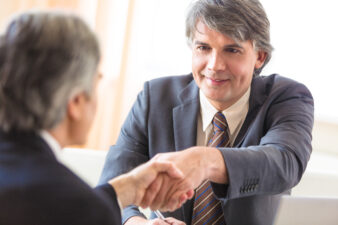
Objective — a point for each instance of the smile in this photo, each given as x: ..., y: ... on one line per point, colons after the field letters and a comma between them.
x: 215, y: 81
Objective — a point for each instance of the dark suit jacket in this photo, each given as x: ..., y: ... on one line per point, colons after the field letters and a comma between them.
x: 35, y: 189
x: 269, y: 155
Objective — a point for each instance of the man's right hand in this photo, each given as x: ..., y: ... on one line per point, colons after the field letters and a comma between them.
x: 197, y: 164
x: 136, y: 220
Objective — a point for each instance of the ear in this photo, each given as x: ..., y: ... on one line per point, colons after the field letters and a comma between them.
x: 75, y: 107
x: 261, y: 57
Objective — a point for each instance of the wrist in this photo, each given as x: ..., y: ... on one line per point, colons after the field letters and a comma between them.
x: 215, y: 168
x: 202, y: 159
x: 121, y: 186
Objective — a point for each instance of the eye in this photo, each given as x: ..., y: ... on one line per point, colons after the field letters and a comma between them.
x: 202, y: 48
x: 232, y: 50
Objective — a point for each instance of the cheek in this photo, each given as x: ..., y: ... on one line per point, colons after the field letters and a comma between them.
x: 237, y: 68
x: 91, y: 111
x: 241, y: 70
x: 198, y: 63
x: 95, y: 99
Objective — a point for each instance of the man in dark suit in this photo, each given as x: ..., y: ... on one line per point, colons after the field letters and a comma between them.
x: 248, y: 136
x: 48, y: 81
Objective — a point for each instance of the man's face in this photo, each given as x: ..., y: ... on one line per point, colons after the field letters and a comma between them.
x: 222, y: 67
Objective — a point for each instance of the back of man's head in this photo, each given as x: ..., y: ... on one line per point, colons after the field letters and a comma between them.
x: 45, y: 58
x: 241, y: 20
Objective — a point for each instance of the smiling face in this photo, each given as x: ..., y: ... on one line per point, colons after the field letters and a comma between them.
x: 223, y: 68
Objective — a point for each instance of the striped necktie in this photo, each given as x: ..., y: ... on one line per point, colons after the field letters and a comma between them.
x: 207, y: 209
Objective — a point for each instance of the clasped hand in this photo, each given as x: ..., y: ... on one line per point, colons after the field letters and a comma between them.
x: 197, y: 165
x: 168, y: 179
x: 147, y: 186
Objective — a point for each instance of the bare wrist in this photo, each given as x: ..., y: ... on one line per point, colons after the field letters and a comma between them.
x: 216, y: 169
x: 121, y: 186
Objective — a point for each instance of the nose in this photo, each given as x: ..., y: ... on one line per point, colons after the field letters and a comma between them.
x: 216, y: 62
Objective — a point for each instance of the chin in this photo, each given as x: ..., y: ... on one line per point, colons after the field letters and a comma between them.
x: 216, y: 95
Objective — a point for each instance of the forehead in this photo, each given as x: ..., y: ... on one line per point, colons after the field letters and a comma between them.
x: 207, y: 35
x: 203, y: 32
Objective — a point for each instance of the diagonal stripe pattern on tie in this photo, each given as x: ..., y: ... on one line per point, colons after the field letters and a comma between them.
x: 207, y: 209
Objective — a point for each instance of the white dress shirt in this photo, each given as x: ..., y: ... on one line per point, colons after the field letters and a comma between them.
x: 235, y: 116
x: 52, y: 143
x: 56, y: 149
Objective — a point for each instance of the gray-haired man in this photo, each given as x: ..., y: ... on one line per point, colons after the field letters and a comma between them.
x: 252, y: 134
x: 48, y: 81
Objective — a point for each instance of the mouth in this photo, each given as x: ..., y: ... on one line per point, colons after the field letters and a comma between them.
x: 216, y: 81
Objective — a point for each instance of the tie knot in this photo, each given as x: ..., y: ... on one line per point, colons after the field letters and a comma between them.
x: 219, y: 122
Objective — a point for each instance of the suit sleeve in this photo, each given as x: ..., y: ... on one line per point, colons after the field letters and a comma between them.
x: 276, y: 149
x: 108, y: 194
x: 131, y: 148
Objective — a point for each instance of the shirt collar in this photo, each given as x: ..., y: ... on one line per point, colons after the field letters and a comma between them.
x: 52, y: 142
x: 233, y: 114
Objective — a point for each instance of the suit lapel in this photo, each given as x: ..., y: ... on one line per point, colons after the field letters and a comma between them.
x: 185, y: 117
x: 257, y: 98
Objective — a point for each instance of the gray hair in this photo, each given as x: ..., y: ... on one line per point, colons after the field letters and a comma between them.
x: 241, y: 20
x: 45, y: 58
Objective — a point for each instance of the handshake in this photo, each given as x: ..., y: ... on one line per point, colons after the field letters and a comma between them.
x: 169, y: 179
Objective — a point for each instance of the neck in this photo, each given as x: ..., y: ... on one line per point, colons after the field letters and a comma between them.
x: 60, y: 133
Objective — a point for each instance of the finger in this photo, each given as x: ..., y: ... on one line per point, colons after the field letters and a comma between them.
x: 172, y: 198
x: 174, y: 221
x: 176, y: 196
x: 177, y: 200
x: 183, y: 198
x: 172, y: 204
x: 151, y: 192
x: 161, y: 195
x: 158, y: 222
x: 182, y: 192
x: 169, y: 168
x: 190, y: 194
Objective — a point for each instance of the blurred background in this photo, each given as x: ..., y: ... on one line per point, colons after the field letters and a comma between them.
x: 144, y: 39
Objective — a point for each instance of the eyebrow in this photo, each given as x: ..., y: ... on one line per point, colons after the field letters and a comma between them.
x: 226, y: 46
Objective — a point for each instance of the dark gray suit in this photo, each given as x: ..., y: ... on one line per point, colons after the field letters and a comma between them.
x: 35, y: 189
x: 269, y: 155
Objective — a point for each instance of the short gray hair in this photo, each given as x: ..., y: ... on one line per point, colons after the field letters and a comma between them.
x: 45, y: 58
x: 241, y: 20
